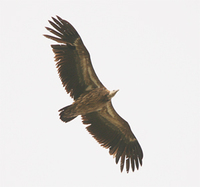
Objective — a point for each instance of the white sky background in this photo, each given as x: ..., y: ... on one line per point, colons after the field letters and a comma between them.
x: 147, y: 49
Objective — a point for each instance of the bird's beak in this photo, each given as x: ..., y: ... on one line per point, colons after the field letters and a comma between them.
x: 112, y: 93
x: 116, y: 91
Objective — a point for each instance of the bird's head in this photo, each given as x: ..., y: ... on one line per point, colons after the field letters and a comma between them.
x: 112, y: 93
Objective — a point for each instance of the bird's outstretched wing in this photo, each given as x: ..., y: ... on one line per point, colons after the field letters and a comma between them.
x: 73, y: 60
x: 113, y: 132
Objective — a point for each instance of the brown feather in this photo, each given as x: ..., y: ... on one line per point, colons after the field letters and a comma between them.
x: 92, y: 99
x: 73, y: 60
x: 121, y: 144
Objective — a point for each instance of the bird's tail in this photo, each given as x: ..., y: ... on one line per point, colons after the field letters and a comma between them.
x: 67, y: 114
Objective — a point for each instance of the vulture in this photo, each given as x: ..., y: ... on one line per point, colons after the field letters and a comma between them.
x: 91, y: 98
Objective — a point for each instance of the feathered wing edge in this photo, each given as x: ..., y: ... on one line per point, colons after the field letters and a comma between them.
x: 109, y: 136
x: 73, y: 60
x: 66, y: 56
x: 64, y: 30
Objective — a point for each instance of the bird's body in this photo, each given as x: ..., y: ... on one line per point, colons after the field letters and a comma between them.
x: 87, y: 102
x: 91, y: 98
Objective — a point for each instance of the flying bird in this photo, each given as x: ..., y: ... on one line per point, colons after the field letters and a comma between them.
x: 91, y: 98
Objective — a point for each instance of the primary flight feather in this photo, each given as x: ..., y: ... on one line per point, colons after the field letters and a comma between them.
x: 91, y: 98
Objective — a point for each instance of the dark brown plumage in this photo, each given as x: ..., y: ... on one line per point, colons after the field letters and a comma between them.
x: 91, y: 99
